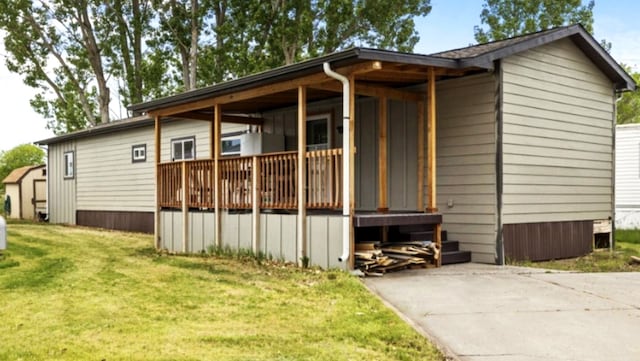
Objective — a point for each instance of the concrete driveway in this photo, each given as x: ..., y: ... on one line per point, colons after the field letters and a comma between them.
x: 492, y: 313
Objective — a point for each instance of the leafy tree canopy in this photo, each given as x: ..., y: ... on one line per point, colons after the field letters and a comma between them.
x: 81, y: 55
x: 20, y: 156
x: 508, y: 18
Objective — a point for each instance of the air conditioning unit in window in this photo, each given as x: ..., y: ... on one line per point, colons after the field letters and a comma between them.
x: 260, y: 143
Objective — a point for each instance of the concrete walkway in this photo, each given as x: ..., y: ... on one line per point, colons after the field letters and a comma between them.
x: 492, y: 313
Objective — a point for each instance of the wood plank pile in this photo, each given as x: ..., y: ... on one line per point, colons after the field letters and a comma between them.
x: 376, y: 258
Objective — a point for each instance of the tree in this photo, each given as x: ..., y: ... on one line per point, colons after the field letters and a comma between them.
x: 628, y: 107
x: 20, y: 156
x: 77, y: 52
x: 54, y: 46
x: 506, y: 19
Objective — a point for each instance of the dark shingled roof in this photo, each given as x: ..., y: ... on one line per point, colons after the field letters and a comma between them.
x: 481, y: 49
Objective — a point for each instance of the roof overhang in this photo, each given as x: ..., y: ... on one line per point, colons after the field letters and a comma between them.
x: 583, y: 40
x: 386, y: 70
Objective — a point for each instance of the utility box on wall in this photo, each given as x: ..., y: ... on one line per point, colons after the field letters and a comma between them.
x: 3, y: 233
x: 259, y: 143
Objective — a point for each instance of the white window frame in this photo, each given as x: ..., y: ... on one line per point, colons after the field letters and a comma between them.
x: 183, y: 141
x: 138, y: 153
x: 329, y: 119
x: 69, y: 165
x: 228, y: 153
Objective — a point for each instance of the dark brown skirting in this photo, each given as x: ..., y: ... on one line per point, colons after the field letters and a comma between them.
x: 117, y: 220
x: 547, y: 240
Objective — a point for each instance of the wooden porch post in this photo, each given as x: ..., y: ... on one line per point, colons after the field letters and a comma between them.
x: 421, y: 149
x: 302, y: 171
x: 216, y: 173
x: 185, y: 208
x: 157, y: 156
x: 432, y: 206
x: 383, y: 205
x: 255, y: 202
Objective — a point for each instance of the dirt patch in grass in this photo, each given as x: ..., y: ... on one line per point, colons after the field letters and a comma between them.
x: 73, y: 293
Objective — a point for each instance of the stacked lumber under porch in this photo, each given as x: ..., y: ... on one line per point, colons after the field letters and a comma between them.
x: 377, y: 258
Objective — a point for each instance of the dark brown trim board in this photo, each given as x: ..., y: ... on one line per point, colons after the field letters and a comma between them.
x: 117, y: 220
x: 547, y: 240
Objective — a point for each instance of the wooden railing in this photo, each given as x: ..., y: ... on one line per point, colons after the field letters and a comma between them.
x: 324, y: 178
x: 277, y: 181
x: 170, y: 185
x: 235, y: 182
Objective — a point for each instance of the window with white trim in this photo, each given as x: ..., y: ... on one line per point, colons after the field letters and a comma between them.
x: 138, y: 153
x: 319, y: 131
x: 68, y: 164
x: 231, y: 145
x: 183, y: 148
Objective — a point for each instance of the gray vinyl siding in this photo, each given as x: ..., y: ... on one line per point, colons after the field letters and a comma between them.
x: 466, y: 169
x: 402, y: 166
x: 366, y: 158
x: 402, y: 143
x: 62, y: 192
x: 557, y: 145
x: 108, y: 180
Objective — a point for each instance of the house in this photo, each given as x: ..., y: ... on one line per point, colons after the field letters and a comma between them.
x: 628, y: 176
x: 26, y: 188
x: 508, y: 146
x: 104, y: 176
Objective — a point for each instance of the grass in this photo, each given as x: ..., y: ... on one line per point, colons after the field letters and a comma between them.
x: 78, y: 294
x: 601, y: 260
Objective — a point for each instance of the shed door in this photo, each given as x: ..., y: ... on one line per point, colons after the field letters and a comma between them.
x: 403, y: 156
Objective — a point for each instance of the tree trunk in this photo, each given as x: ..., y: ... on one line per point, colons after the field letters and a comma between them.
x: 96, y: 62
x: 193, y: 50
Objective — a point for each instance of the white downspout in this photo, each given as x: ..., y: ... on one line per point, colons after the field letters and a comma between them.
x: 346, y: 166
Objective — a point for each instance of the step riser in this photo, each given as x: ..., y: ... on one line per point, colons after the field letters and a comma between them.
x: 450, y: 246
x: 456, y: 257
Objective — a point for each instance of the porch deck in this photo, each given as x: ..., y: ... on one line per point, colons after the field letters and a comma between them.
x: 395, y: 219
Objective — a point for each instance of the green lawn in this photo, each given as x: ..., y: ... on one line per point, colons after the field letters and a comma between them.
x: 79, y: 294
x: 601, y: 260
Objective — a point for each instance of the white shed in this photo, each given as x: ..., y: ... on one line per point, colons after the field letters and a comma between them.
x: 26, y: 187
x: 628, y: 176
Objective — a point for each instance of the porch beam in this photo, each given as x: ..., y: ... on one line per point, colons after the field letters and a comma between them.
x: 383, y: 205
x: 236, y: 119
x: 372, y: 90
x: 264, y: 90
x: 157, y: 149
x: 302, y: 171
x: 217, y: 119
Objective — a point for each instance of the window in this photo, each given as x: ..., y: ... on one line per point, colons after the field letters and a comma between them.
x: 139, y: 153
x: 183, y: 148
x: 68, y: 165
x: 319, y: 131
x: 231, y: 145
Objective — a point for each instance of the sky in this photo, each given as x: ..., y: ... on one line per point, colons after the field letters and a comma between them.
x: 448, y: 26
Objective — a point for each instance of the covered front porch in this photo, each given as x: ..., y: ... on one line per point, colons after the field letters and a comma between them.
x: 303, y: 202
